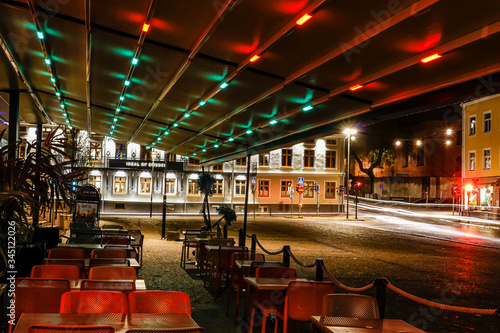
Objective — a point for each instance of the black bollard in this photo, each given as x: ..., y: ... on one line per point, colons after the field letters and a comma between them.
x: 286, y: 255
x: 225, y: 230
x: 380, y: 284
x: 254, y: 243
x: 319, y: 269
x: 241, y: 237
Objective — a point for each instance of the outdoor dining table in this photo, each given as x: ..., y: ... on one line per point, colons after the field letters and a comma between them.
x: 366, y: 326
x: 120, y: 322
x: 133, y: 263
x: 140, y: 284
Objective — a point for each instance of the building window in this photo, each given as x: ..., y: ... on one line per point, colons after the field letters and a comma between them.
x: 194, y: 161
x: 308, y: 158
x: 332, y: 142
x: 286, y: 157
x: 487, y: 122
x: 121, y: 151
x: 420, y: 157
x: 330, y: 190
x: 192, y: 186
x: 171, y: 157
x: 144, y: 185
x: 95, y: 151
x: 331, y: 159
x: 170, y: 186
x: 263, y: 209
x: 96, y: 181
x: 309, y: 189
x: 404, y: 159
x: 218, y: 187
x: 120, y: 185
x: 472, y: 125
x: 472, y: 161
x: 264, y: 160
x: 22, y: 151
x: 264, y: 188
x: 286, y: 187
x: 487, y: 159
x: 217, y: 167
x: 241, y: 161
x: 239, y: 186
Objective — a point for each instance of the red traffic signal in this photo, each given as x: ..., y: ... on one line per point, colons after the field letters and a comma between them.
x: 358, y: 185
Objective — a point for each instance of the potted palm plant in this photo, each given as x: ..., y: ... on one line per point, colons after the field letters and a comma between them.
x: 33, y: 183
x: 206, y: 183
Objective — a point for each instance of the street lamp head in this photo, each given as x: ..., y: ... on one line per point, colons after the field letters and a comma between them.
x: 397, y: 143
x: 419, y: 143
x: 448, y: 142
x: 350, y: 131
x: 449, y: 131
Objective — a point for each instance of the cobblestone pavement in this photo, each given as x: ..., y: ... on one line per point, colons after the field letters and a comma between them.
x: 442, y: 271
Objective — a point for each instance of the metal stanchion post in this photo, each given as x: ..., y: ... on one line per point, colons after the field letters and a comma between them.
x: 254, y: 243
x: 241, y: 237
x: 381, y: 285
x: 225, y: 231
x: 319, y: 269
x: 286, y: 255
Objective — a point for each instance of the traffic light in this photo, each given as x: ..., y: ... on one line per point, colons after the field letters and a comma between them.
x: 357, y: 185
x: 341, y: 189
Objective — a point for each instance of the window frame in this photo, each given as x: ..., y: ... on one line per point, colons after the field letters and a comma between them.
x: 281, y: 187
x: 469, y: 160
x: 328, y: 159
x: 484, y: 158
x: 261, y: 187
x: 192, y: 187
x: 472, y: 130
x: 218, y: 186
x: 218, y: 167
x: 94, y: 182
x: 309, y: 189
x: 263, y: 160
x: 240, y: 186
x: 144, y: 191
x: 121, y: 151
x: 240, y: 161
x: 125, y: 187
x: 330, y: 187
x: 95, y: 152
x: 309, y: 158
x: 286, y: 156
x: 167, y: 186
x: 487, y: 122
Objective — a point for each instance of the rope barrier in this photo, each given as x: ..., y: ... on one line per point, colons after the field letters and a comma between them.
x: 297, y: 261
x: 439, y: 305
x: 266, y: 251
x: 343, y: 286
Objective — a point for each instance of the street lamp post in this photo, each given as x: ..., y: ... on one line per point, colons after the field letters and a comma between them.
x: 153, y: 154
x: 348, y: 132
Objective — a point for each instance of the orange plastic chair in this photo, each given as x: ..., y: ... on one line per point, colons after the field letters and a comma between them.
x: 173, y: 330
x: 122, y: 286
x: 67, y: 253
x: 93, y: 301
x: 303, y: 299
x: 39, y: 295
x: 72, y: 262
x: 158, y: 301
x: 70, y: 329
x: 236, y: 278
x: 224, y: 264
x: 267, y: 301
x: 56, y: 272
x: 112, y: 273
x: 350, y: 310
x: 108, y: 253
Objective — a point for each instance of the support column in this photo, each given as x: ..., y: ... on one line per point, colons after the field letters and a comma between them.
x: 246, y: 199
x: 13, y: 123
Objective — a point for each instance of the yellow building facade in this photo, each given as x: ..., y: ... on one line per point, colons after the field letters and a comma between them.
x: 481, y: 152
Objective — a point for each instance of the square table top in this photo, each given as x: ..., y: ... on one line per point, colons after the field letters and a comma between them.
x: 374, y: 326
x: 262, y: 283
x: 120, y: 322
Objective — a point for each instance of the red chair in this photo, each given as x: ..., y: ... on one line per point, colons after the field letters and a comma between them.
x: 236, y: 278
x: 122, y: 286
x: 108, y: 253
x: 67, y: 253
x: 93, y: 301
x: 269, y: 301
x: 72, y: 262
x: 173, y: 330
x: 56, y: 272
x: 158, y: 301
x: 112, y: 273
x: 70, y: 329
x: 224, y: 264
x: 303, y: 299
x: 39, y: 295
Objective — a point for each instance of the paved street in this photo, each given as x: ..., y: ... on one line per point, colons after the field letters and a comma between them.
x: 412, y: 255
